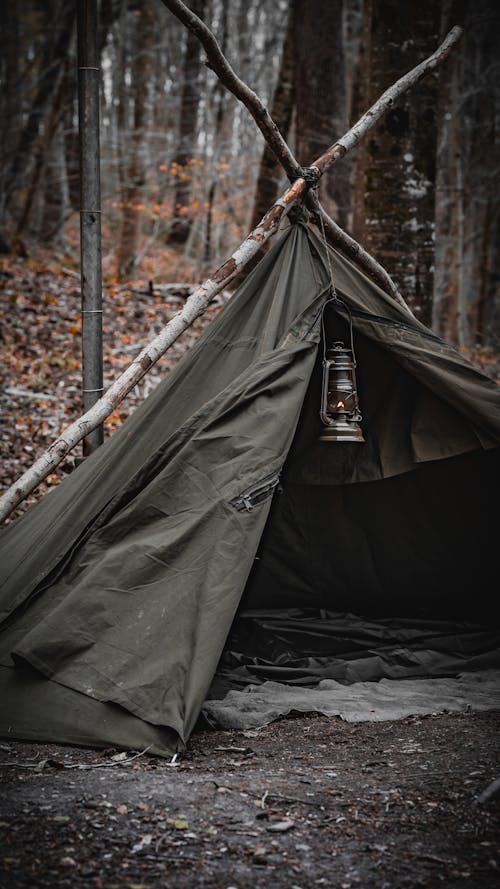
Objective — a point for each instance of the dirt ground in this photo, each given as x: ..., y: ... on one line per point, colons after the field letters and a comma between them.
x: 301, y: 803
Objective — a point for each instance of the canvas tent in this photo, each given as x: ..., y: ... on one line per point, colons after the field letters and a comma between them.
x: 120, y: 589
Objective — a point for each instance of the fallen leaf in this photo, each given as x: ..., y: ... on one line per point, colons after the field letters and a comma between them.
x: 143, y: 842
x: 177, y: 823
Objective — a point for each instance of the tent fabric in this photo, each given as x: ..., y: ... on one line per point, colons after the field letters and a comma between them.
x: 305, y: 646
x: 121, y: 586
x: 34, y: 709
x: 257, y: 705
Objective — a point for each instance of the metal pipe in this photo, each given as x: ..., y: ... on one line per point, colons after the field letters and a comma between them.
x: 90, y: 213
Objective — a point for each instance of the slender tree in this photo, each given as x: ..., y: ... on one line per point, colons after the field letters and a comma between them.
x: 270, y: 175
x: 218, y: 104
x: 320, y: 92
x: 182, y: 218
x: 133, y: 191
x: 467, y: 280
x: 394, y: 212
x: 60, y: 20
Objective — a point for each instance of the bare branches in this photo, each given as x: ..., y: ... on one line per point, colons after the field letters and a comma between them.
x: 340, y: 239
x: 199, y: 300
x: 220, y: 65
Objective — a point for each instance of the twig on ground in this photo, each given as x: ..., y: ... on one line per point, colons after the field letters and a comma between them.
x: 76, y: 765
x: 490, y: 791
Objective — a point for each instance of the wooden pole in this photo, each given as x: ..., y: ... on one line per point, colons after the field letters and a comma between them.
x: 90, y: 214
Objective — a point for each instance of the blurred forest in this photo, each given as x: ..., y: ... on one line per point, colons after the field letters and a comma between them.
x: 185, y: 175
x: 183, y: 169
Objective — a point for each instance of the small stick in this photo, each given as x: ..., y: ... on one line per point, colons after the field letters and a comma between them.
x: 492, y: 789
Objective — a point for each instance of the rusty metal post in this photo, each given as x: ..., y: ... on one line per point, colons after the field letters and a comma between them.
x: 90, y: 213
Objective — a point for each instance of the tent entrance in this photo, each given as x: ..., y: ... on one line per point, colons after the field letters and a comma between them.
x: 360, y: 576
x: 374, y: 580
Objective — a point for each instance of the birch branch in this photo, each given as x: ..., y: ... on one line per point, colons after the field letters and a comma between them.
x: 199, y: 300
x: 386, y: 101
x: 344, y: 242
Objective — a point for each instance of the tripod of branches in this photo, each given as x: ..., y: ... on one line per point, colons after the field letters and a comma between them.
x: 301, y: 191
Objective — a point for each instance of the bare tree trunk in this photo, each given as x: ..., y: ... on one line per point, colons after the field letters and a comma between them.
x: 320, y: 93
x: 136, y: 171
x: 219, y: 101
x: 56, y: 48
x: 10, y: 110
x: 188, y: 128
x: 481, y: 121
x: 42, y: 151
x: 270, y: 172
x: 467, y: 278
x: 56, y: 191
x: 449, y: 219
x: 70, y: 109
x: 394, y: 213
x: 123, y: 117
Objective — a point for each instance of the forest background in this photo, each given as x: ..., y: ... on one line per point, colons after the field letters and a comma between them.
x: 185, y: 175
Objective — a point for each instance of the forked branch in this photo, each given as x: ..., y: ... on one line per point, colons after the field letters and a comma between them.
x: 335, y: 234
x: 199, y: 300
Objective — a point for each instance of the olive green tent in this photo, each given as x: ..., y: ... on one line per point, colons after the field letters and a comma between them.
x: 120, y: 588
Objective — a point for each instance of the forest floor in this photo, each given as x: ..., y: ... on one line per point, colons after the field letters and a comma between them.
x: 40, y: 366
x: 40, y: 361
x: 301, y: 803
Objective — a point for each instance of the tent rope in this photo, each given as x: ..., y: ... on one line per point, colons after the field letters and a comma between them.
x: 334, y: 298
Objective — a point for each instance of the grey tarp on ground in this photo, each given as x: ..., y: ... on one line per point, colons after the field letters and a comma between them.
x: 257, y: 705
x: 121, y: 586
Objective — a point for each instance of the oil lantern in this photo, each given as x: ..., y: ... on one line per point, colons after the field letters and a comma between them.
x: 339, y: 398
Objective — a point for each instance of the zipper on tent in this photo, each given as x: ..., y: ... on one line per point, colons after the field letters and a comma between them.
x: 259, y: 492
